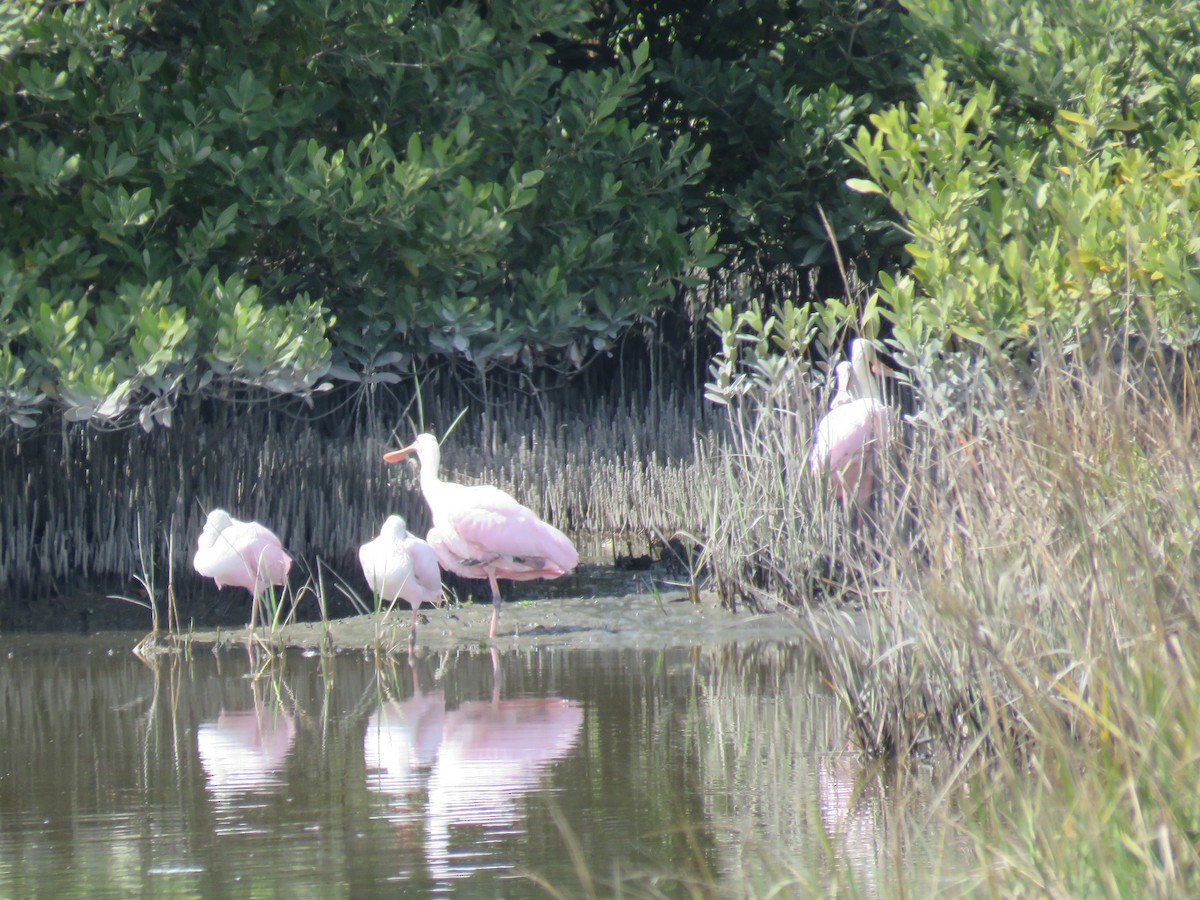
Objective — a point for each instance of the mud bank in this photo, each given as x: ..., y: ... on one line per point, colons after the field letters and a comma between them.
x: 629, y: 621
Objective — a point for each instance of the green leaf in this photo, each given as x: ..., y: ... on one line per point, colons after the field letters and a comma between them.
x: 641, y: 53
x: 863, y: 186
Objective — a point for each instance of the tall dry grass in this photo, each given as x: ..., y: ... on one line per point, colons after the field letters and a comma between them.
x: 1019, y: 602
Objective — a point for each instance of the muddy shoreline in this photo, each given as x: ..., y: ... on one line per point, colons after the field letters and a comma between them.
x: 621, y: 609
x: 631, y: 621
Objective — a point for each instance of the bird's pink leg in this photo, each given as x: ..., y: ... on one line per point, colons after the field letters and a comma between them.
x: 412, y: 632
x: 495, y: 604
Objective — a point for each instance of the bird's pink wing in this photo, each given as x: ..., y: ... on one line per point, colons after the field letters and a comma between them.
x: 225, y: 566
x: 845, y: 433
x: 265, y: 549
x: 427, y: 573
x: 261, y: 553
x: 515, y: 532
x: 454, y: 554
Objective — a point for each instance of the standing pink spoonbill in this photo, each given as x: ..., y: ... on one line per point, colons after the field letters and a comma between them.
x: 240, y: 554
x: 479, y: 531
x: 401, y: 566
x: 849, y: 438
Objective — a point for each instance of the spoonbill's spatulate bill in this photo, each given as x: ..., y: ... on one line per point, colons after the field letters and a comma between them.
x: 480, y: 531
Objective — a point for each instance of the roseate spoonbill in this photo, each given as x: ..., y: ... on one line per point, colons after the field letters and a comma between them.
x: 479, y: 531
x: 401, y: 566
x: 240, y: 554
x: 848, y: 437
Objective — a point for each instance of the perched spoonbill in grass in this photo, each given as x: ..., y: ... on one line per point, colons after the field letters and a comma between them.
x: 479, y: 531
x: 240, y: 554
x: 849, y: 437
x: 401, y: 566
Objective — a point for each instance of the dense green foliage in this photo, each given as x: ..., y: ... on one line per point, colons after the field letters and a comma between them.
x: 269, y: 193
x: 1045, y: 180
x: 286, y: 193
x: 774, y: 90
x: 1046, y: 176
x: 294, y: 192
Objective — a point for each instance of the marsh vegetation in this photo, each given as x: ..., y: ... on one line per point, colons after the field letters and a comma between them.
x: 251, y: 265
x: 1016, y: 605
x: 1025, y: 590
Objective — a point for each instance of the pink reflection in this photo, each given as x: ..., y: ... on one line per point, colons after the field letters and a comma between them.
x: 403, y: 739
x: 849, y: 800
x: 494, y: 752
x: 245, y: 751
x: 470, y: 766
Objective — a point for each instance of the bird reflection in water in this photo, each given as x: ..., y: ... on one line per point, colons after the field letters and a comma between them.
x: 850, y: 800
x: 244, y: 752
x: 465, y: 767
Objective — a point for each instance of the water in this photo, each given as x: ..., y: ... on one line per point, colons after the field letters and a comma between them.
x: 575, y: 771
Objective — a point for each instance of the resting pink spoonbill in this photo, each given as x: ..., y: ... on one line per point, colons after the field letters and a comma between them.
x: 848, y: 440
x: 401, y: 566
x: 240, y: 554
x: 479, y: 531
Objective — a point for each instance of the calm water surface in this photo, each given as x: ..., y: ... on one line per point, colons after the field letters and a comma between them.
x: 721, y: 768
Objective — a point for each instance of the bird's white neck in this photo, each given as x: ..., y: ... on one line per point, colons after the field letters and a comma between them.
x: 430, y: 456
x: 863, y: 380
